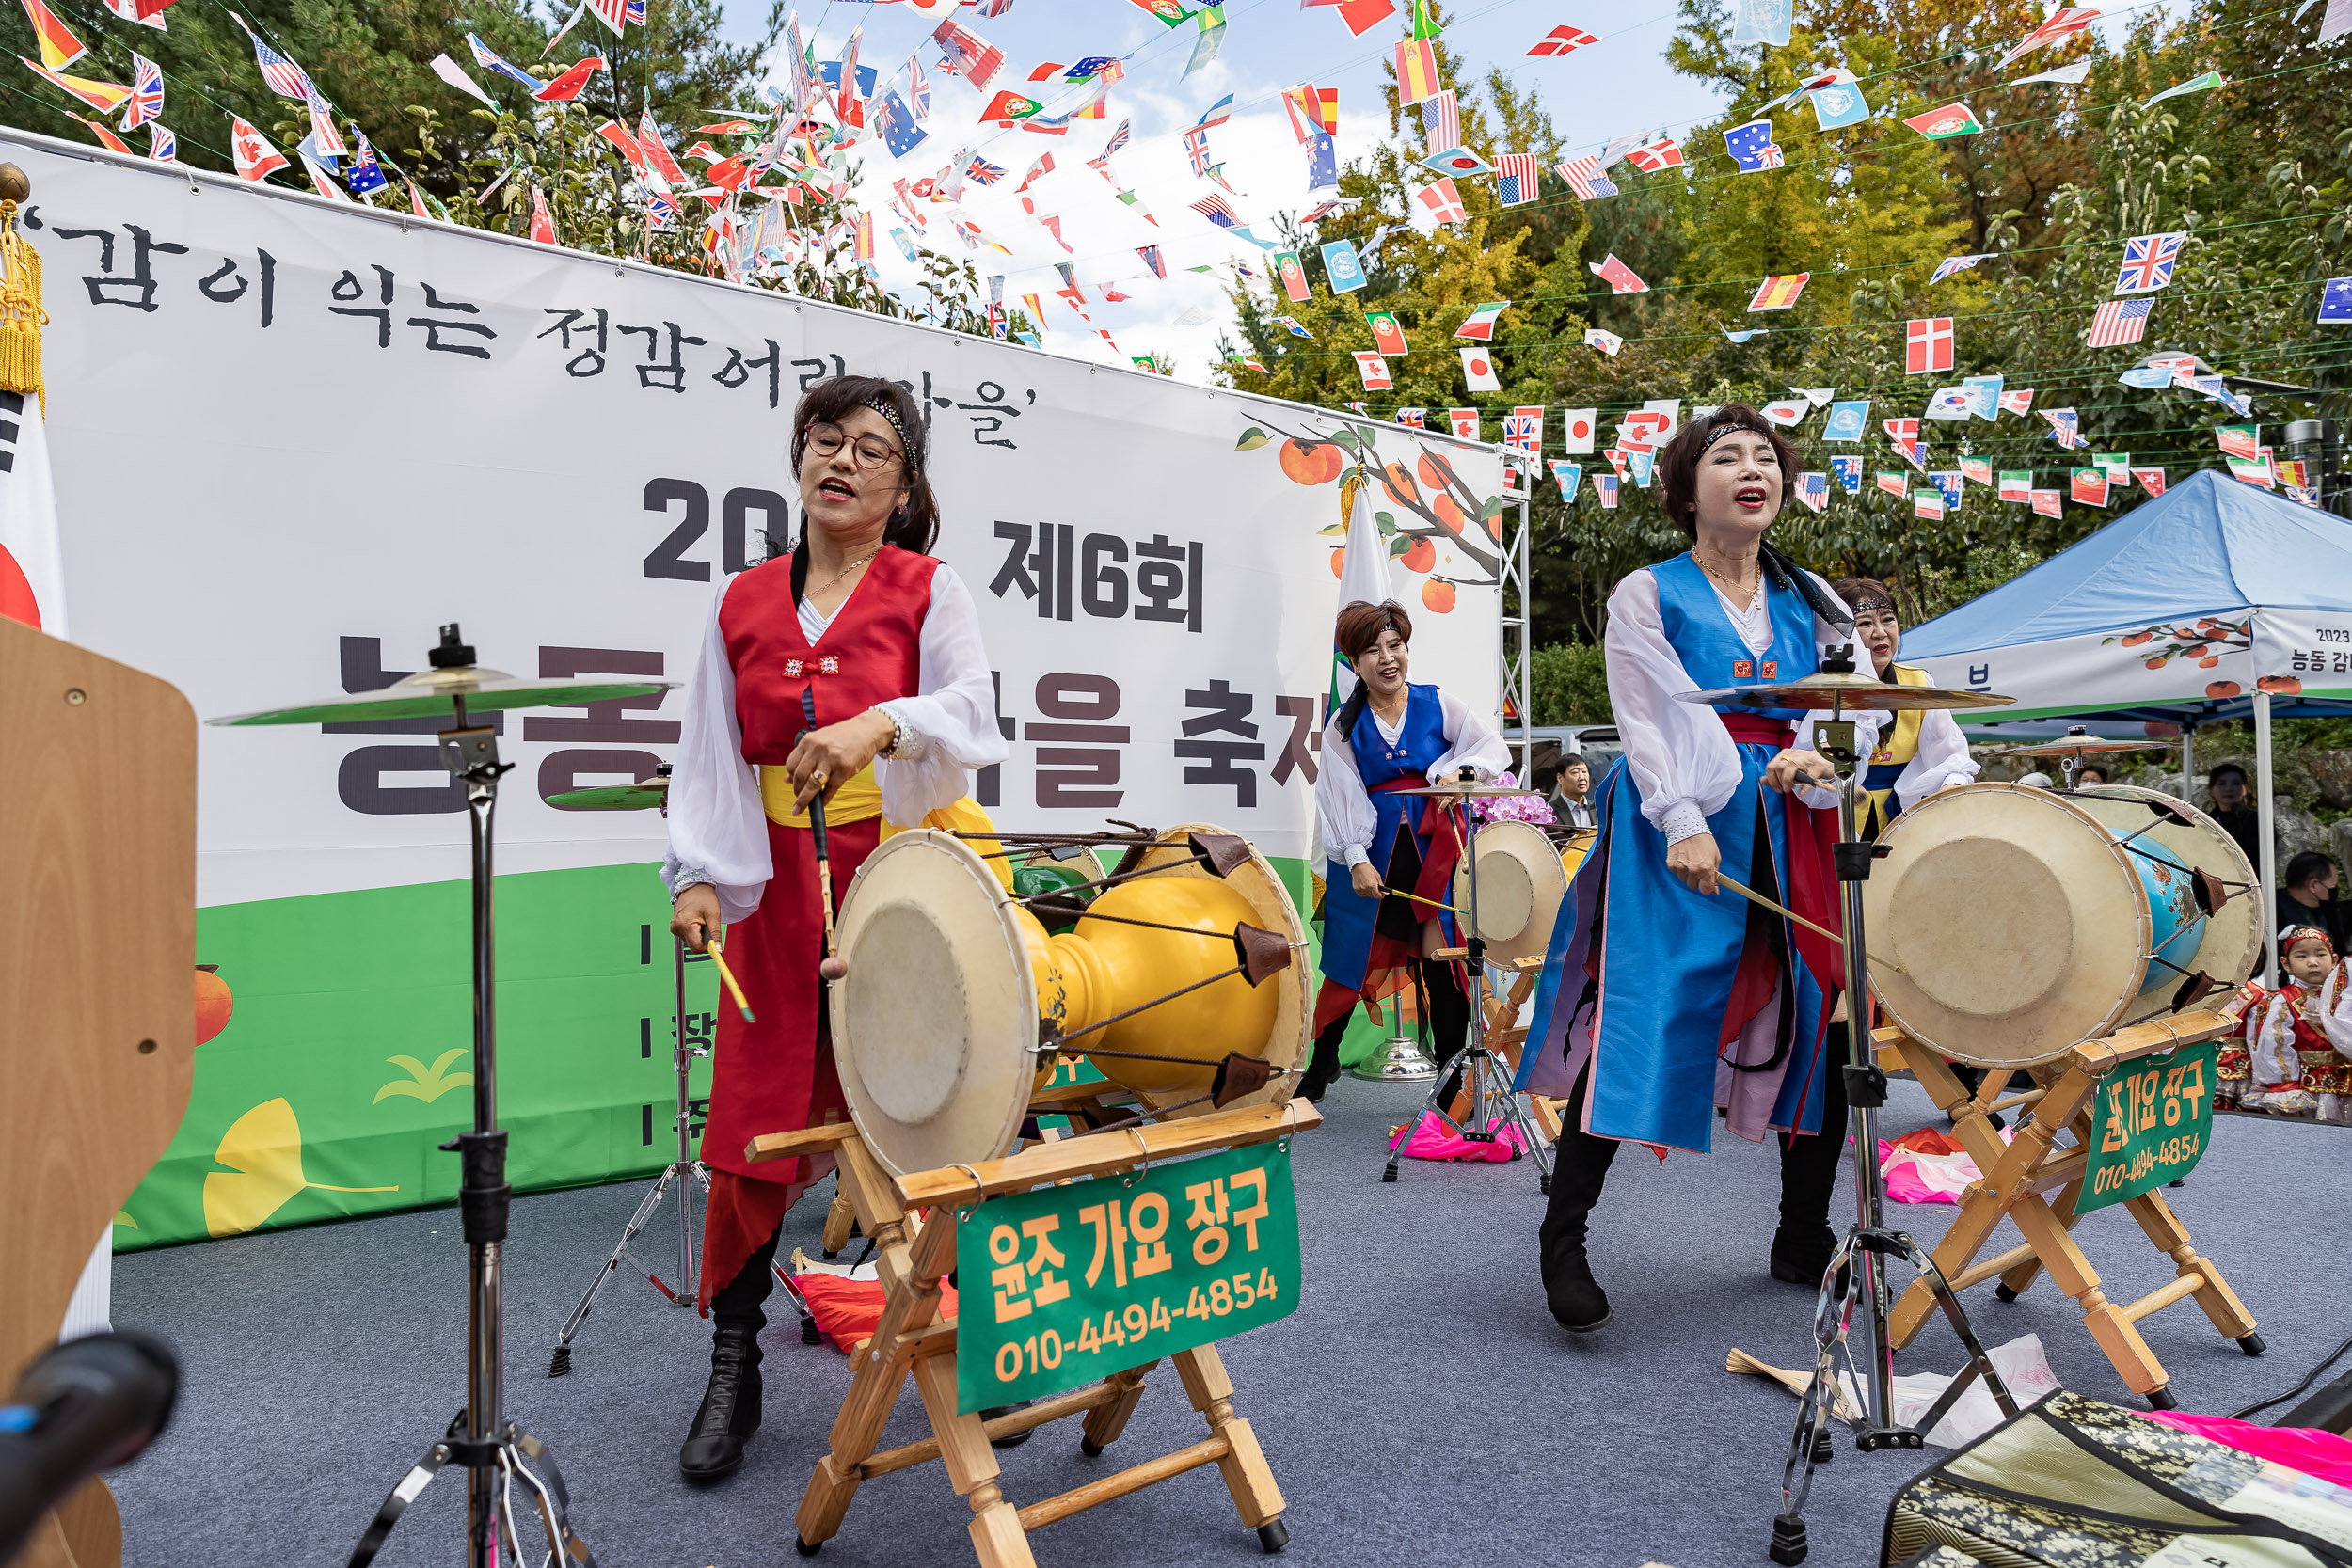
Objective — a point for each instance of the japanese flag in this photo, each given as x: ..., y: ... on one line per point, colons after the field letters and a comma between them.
x: 1577, y: 429
x: 32, y: 563
x: 1478, y: 371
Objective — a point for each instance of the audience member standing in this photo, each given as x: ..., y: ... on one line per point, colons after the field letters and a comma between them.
x: 2235, y: 812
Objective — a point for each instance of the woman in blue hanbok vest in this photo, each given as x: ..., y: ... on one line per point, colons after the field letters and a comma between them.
x: 1390, y: 736
x: 1663, y: 998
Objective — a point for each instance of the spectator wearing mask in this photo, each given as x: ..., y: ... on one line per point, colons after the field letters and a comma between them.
x: 2309, y: 899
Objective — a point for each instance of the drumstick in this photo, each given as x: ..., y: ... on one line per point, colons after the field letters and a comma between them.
x: 1433, y: 903
x: 1754, y: 897
x: 718, y: 955
x: 830, y: 967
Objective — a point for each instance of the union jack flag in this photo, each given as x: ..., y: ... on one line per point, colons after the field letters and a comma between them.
x: 920, y: 94
x: 285, y: 78
x: 1119, y: 137
x: 147, y: 93
x: 1197, y: 149
x: 1585, y: 177
x: 1524, y: 430
x: 1441, y: 122
x: 1516, y: 178
x: 2148, y: 261
x: 2119, y: 321
x: 983, y: 172
x: 162, y: 146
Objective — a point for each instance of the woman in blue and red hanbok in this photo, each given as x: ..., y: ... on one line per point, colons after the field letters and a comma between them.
x: 853, y: 667
x: 1665, y: 999
x: 1389, y: 736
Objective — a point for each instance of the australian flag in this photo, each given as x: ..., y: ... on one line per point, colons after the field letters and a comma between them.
x: 365, y: 175
x: 2335, y: 305
x: 1849, y: 473
x: 1752, y: 148
x: 1322, y: 161
x: 898, y: 131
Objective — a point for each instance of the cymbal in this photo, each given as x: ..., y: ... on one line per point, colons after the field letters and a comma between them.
x: 1852, y: 691
x: 1480, y: 792
x: 2082, y: 745
x: 635, y: 796
x: 433, y: 693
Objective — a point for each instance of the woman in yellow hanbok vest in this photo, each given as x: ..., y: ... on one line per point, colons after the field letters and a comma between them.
x: 1923, y: 750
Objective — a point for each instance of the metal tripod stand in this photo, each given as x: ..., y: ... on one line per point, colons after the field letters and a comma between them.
x: 1494, y: 1103
x: 686, y: 1170
x: 1867, y: 1240
x: 495, y: 1454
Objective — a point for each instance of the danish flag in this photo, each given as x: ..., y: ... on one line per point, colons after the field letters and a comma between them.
x: 1928, y: 346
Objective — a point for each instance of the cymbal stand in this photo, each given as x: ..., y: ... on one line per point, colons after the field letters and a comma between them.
x: 1867, y: 1240
x: 686, y: 1170
x: 1494, y: 1103
x: 493, y: 1451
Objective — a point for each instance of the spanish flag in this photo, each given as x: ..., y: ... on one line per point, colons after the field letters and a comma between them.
x: 106, y: 97
x: 1416, y: 70
x: 59, y: 48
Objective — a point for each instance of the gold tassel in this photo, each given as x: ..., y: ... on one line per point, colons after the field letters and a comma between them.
x: 1350, y: 483
x: 21, y: 314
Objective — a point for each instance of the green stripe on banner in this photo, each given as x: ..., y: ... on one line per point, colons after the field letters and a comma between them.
x: 329, y: 1092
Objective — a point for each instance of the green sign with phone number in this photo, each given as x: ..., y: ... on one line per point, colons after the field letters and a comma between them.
x: 1064, y: 1286
x: 2149, y: 1125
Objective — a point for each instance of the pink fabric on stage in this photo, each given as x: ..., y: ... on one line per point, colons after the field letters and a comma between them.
x: 1431, y: 1141
x: 2306, y: 1448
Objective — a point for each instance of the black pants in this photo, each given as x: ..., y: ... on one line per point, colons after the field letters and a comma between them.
x: 740, y: 1299
x: 1445, y: 1014
x: 1808, y: 1166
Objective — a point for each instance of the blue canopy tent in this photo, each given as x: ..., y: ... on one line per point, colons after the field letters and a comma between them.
x: 2215, y: 601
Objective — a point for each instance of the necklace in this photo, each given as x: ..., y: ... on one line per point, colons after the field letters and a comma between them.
x: 1741, y: 590
x: 840, y: 575
x: 1382, y: 710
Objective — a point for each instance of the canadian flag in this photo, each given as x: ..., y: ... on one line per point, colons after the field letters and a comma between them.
x: 1478, y: 371
x: 32, y: 564
x: 1577, y: 428
x: 1465, y: 423
x: 1928, y: 346
x: 256, y: 158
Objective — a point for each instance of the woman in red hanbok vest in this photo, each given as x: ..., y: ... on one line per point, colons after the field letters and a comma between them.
x: 883, y: 642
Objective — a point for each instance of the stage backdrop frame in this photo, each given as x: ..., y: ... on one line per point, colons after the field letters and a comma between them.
x: 293, y: 436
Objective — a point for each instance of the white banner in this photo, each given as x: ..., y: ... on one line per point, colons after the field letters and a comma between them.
x: 292, y: 437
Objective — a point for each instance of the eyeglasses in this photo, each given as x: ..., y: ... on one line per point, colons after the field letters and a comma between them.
x: 873, y: 453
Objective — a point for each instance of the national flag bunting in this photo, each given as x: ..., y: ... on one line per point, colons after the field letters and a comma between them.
x: 2148, y: 262
x: 147, y: 93
x: 1607, y: 341
x: 1441, y: 121
x: 967, y: 55
x: 2118, y: 322
x: 59, y: 48
x: 1779, y: 294
x: 1523, y: 428
x: 1563, y: 40
x: 285, y: 78
x: 1620, y: 278
x: 1479, y: 326
x: 162, y: 146
x: 1443, y: 202
x: 1387, y: 333
x: 106, y: 97
x: 1478, y: 371
x: 1653, y: 157
x: 1585, y: 177
x: 1518, y: 177
x: 1465, y: 423
x: 1374, y: 371
x: 1416, y: 70
x: 1928, y: 346
x: 1568, y: 475
x: 1952, y: 265
x: 257, y: 159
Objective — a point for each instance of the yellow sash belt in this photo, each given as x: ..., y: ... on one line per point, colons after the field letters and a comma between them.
x: 859, y: 800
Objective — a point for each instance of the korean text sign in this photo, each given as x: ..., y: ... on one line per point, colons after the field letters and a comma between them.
x: 1064, y: 1286
x: 2150, y: 1123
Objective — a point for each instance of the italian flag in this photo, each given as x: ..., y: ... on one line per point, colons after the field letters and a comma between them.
x: 1479, y: 327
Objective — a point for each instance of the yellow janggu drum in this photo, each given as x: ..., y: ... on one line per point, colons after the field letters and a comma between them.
x: 957, y: 1000
x: 2008, y: 923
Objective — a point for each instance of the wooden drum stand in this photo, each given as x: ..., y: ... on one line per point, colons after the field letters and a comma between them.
x: 912, y: 1222
x: 2020, y: 1176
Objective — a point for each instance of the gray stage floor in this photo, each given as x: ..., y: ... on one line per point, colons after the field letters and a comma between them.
x: 1419, y: 1405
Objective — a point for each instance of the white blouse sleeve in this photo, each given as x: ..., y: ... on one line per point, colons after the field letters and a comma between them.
x: 1682, y: 759
x: 1343, y: 812
x: 1472, y: 740
x: 718, y: 828
x: 953, y: 714
x: 1825, y: 637
x: 1942, y: 759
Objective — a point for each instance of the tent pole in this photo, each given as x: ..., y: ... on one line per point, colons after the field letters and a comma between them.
x: 2189, y: 761
x: 2267, y: 870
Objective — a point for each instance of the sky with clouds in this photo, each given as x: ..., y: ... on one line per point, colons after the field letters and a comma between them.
x: 1618, y: 84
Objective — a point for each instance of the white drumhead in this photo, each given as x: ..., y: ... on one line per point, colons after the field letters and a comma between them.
x: 1521, y: 885
x: 2232, y: 945
x: 934, y: 1026
x: 2005, y: 924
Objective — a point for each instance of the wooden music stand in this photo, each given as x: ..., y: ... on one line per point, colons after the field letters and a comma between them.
x: 913, y: 1254
x: 97, y: 987
x: 2020, y: 1174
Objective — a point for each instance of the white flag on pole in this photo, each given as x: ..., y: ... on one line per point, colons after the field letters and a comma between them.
x: 32, y: 563
x: 1363, y: 574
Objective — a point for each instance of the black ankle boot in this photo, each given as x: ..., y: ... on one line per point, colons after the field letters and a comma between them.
x: 1800, y: 1254
x: 1574, y: 1297
x: 730, y: 1407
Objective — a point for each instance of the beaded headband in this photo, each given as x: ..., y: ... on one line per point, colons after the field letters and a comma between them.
x: 1720, y: 430
x: 882, y: 405
x: 1867, y: 600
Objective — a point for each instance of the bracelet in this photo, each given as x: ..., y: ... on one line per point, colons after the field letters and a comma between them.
x: 901, y: 737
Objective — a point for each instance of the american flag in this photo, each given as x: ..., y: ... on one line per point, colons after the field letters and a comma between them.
x: 1218, y: 211
x: 1443, y: 202
x: 285, y: 78
x: 1516, y: 178
x: 1585, y: 177
x: 2148, y: 261
x: 147, y: 93
x: 1441, y: 122
x: 1813, y: 489
x: 2119, y: 321
x: 324, y: 136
